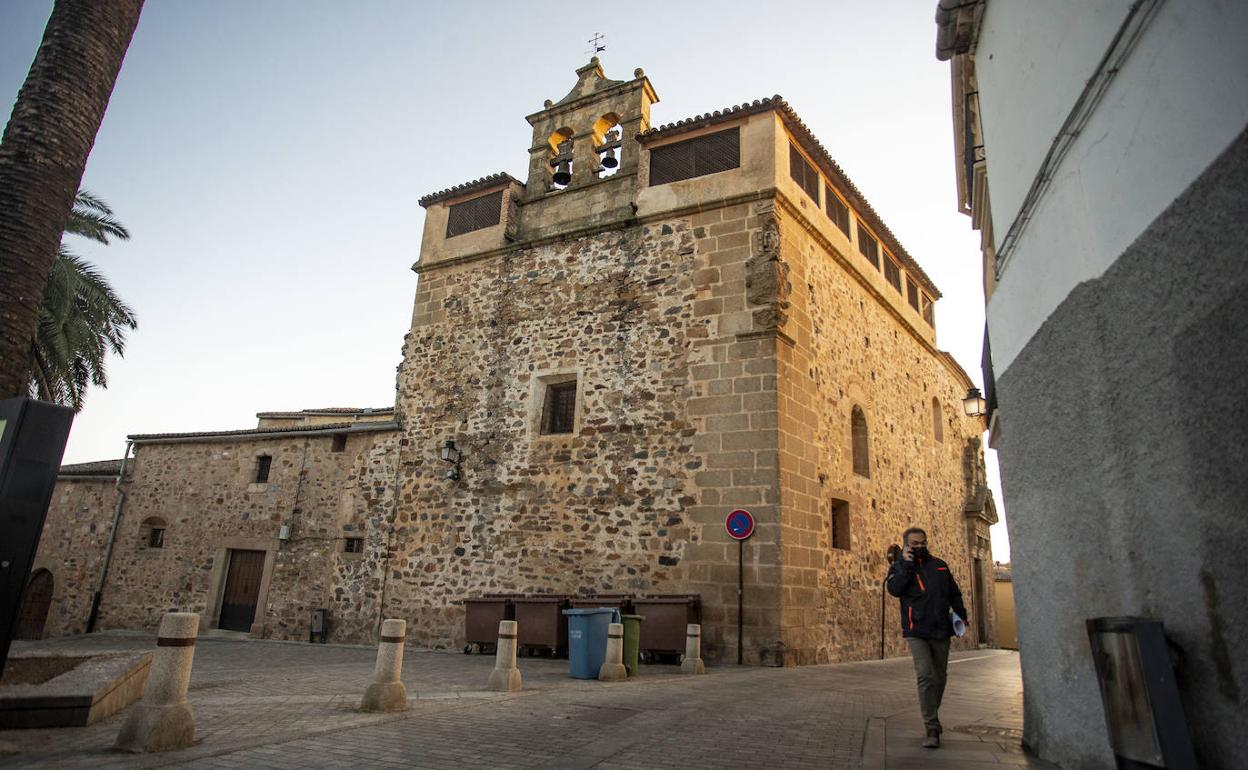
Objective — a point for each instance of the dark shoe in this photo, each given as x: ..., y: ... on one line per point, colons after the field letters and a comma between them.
x: 932, y: 741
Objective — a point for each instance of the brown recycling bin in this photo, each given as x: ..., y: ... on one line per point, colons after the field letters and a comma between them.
x: 481, y: 618
x: 541, y: 625
x: 622, y: 602
x: 666, y: 619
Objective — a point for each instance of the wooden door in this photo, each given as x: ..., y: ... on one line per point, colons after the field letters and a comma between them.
x: 36, y: 601
x: 242, y: 588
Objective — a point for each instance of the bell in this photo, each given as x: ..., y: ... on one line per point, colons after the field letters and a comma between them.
x: 564, y: 173
x: 608, y: 158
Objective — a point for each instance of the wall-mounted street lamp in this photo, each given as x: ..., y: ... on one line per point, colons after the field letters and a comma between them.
x: 974, y: 404
x: 451, y: 455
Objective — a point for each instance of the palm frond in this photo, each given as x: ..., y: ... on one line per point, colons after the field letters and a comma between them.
x: 82, y: 320
x: 92, y: 218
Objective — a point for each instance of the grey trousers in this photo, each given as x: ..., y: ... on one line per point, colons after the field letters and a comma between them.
x: 931, y: 661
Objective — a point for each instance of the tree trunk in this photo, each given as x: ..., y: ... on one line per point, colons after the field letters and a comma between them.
x: 42, y: 156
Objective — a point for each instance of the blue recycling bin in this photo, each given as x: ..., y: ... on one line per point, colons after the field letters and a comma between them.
x: 587, y: 639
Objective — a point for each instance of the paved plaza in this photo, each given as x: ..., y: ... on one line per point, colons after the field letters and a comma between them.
x: 289, y: 705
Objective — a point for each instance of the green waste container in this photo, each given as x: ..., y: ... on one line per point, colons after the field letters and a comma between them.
x: 632, y: 639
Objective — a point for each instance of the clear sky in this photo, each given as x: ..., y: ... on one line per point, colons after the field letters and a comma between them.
x: 267, y: 157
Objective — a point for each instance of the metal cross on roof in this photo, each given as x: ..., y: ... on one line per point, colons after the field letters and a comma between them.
x: 595, y: 43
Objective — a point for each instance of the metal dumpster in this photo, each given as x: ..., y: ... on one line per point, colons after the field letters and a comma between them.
x: 481, y: 618
x: 542, y: 628
x: 667, y: 616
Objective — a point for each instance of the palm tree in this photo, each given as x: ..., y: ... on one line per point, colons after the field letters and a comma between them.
x: 82, y: 318
x: 42, y: 156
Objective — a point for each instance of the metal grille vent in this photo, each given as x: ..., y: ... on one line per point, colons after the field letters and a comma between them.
x: 475, y: 214
x: 838, y: 212
x: 804, y: 174
x: 868, y: 246
x: 892, y: 273
x: 704, y: 155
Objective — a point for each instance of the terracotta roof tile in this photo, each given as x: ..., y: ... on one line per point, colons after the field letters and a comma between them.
x: 139, y: 438
x: 330, y: 410
x: 97, y: 468
x: 467, y: 187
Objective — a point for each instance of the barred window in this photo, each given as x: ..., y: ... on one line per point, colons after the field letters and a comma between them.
x: 912, y: 293
x: 868, y: 246
x: 353, y: 545
x: 803, y: 173
x: 263, y: 463
x: 708, y: 154
x: 892, y: 272
x: 475, y: 214
x: 559, y: 411
x: 838, y: 212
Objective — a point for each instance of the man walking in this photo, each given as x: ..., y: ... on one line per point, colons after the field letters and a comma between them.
x: 927, y: 591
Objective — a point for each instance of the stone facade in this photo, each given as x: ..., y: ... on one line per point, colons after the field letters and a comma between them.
x: 74, y: 539
x: 723, y: 333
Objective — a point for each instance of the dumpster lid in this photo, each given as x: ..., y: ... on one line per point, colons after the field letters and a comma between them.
x: 593, y: 611
x: 667, y: 599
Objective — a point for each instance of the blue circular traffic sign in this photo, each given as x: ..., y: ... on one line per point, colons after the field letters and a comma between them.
x: 740, y: 524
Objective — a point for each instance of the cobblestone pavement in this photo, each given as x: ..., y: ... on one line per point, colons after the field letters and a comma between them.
x: 288, y: 705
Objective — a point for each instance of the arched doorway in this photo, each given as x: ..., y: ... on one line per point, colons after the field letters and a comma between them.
x: 36, y: 601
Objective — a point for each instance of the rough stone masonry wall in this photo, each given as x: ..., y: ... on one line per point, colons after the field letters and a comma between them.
x: 633, y: 502
x: 75, y: 534
x: 206, y: 495
x: 850, y: 350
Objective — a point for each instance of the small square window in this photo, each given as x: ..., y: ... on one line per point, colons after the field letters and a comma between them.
x: 559, y: 409
x: 340, y: 443
x: 263, y: 462
x: 353, y: 545
x: 156, y: 537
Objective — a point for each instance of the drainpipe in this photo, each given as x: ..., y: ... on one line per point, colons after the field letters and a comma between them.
x: 112, y: 538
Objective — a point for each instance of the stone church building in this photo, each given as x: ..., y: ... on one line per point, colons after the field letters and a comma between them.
x: 656, y: 326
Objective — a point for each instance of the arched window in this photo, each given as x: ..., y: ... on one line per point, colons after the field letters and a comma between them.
x: 152, y: 532
x: 36, y: 601
x: 938, y: 423
x: 560, y: 158
x: 607, y: 144
x: 861, y: 443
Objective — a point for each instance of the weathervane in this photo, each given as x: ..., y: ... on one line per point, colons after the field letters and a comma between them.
x: 596, y: 45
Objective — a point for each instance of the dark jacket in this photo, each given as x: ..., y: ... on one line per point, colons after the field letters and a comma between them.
x: 927, y: 591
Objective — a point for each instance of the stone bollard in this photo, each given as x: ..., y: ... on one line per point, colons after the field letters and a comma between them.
x: 692, y: 664
x: 613, y: 667
x: 163, y: 719
x: 505, y: 677
x: 386, y: 692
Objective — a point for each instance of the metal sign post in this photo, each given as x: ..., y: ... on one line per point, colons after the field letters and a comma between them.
x: 740, y: 525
